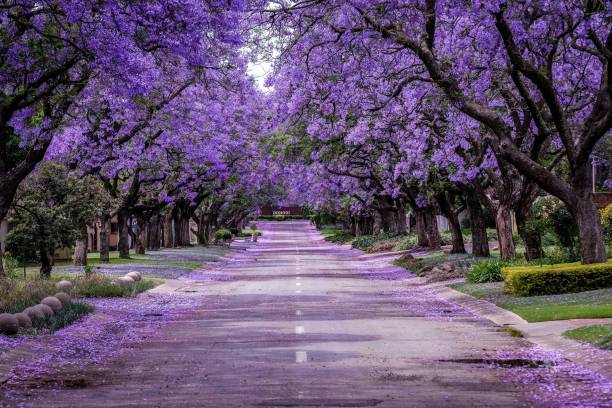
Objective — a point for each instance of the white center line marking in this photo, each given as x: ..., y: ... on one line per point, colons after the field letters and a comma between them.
x: 298, y: 291
x: 298, y: 278
x: 298, y: 284
x: 301, y: 357
x: 298, y: 312
x: 299, y: 330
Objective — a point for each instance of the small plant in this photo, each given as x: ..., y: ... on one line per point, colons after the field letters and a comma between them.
x: 223, y: 235
x: 88, y: 269
x: 11, y: 266
x: 410, y: 242
x: 486, y: 271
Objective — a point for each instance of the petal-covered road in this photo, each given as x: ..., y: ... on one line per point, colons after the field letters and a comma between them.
x: 293, y: 321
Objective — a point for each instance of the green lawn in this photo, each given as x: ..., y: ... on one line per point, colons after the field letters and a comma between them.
x: 590, y: 304
x: 599, y: 336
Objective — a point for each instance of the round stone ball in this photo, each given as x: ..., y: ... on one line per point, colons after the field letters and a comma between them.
x: 64, y: 298
x: 34, y: 313
x: 46, y: 310
x: 135, y: 275
x: 9, y: 324
x: 63, y: 285
x: 53, y: 302
x: 125, y: 281
x: 24, y: 320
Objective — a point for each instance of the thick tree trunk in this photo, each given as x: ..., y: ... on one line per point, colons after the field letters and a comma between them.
x: 458, y: 246
x: 168, y: 236
x: 480, y: 242
x: 140, y: 234
x: 431, y: 225
x: 422, y: 239
x: 531, y: 239
x: 153, y: 233
x: 80, y: 248
x: 503, y: 221
x: 389, y: 221
x: 590, y: 233
x: 105, y: 229
x: 402, y: 226
x: 124, y: 235
x: 377, y: 223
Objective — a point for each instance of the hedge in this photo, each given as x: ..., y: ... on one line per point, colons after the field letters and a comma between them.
x: 534, y: 280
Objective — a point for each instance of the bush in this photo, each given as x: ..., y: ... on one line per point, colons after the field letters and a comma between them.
x: 408, y: 243
x: 97, y: 285
x: 365, y: 242
x: 551, y: 215
x: 560, y: 278
x: 11, y: 267
x: 486, y: 271
x: 223, y: 235
x: 606, y: 222
x: 338, y: 236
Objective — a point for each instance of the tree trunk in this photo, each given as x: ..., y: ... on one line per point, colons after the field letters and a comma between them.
x: 445, y: 203
x: 503, y: 221
x: 168, y: 237
x: 431, y: 225
x: 105, y: 227
x: 458, y: 246
x: 46, y: 262
x: 124, y: 235
x: 480, y: 242
x: 531, y: 239
x: 153, y: 233
x: 590, y: 232
x: 140, y: 234
x: 422, y: 240
x: 80, y: 248
x: 402, y: 226
x: 377, y: 224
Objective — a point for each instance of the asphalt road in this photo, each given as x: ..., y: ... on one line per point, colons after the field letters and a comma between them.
x: 304, y: 323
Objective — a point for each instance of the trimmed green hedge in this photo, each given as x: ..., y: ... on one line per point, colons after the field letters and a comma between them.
x: 536, y: 280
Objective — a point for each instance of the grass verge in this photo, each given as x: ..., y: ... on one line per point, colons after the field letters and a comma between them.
x: 599, y: 336
x: 582, y: 305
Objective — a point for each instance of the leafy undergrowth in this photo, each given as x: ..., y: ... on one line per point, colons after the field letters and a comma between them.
x: 599, y: 336
x: 582, y: 305
x: 102, y: 286
x: 338, y: 236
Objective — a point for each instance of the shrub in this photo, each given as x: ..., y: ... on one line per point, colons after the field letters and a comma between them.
x: 410, y: 242
x: 223, y: 235
x: 551, y: 214
x: 88, y: 269
x: 365, y: 242
x: 560, y: 278
x: 606, y: 222
x: 339, y: 236
x: 486, y: 271
x: 11, y: 267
